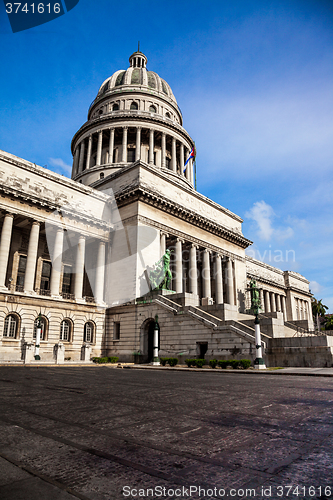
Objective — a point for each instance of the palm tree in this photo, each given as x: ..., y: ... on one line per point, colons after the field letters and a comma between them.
x: 329, y: 323
x: 318, y: 309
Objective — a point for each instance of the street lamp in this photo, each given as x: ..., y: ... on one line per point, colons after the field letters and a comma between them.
x: 38, y: 332
x: 156, y: 360
x: 259, y: 363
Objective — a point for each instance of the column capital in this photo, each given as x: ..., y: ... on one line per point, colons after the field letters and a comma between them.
x: 35, y: 223
x: 125, y: 127
x: 181, y: 240
x: 8, y: 214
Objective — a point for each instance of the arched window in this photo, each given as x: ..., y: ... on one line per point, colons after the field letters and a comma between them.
x: 168, y: 115
x: 152, y: 109
x: 89, y: 330
x: 115, y: 107
x: 11, y: 326
x: 65, y: 330
x: 134, y: 105
x: 43, y: 333
x: 101, y: 175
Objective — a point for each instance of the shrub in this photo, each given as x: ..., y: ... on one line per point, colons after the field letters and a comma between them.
x: 223, y: 363
x: 234, y: 363
x: 163, y: 361
x: 199, y: 363
x: 105, y: 359
x: 113, y: 359
x: 213, y: 363
x: 172, y: 361
x: 245, y: 363
x: 190, y: 362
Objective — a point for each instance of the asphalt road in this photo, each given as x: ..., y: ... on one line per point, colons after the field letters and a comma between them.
x: 103, y: 433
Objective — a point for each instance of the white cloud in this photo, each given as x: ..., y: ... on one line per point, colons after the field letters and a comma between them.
x: 263, y: 215
x: 61, y: 166
x: 315, y: 287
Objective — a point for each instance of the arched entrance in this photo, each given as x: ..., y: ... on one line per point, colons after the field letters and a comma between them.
x: 147, y: 340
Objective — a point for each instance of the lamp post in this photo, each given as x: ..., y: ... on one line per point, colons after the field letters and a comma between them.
x: 259, y: 363
x: 38, y: 332
x: 156, y: 360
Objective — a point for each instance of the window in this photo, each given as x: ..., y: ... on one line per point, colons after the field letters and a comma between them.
x: 152, y: 109
x: 115, y: 107
x: 167, y: 162
x: 65, y: 330
x: 67, y: 280
x: 101, y: 175
x: 116, y: 330
x: 88, y: 332
x: 134, y: 106
x: 11, y: 326
x: 43, y: 332
x: 46, y: 275
x: 168, y: 115
x: 21, y: 273
x: 131, y: 154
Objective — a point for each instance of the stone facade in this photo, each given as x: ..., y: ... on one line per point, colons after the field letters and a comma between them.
x: 79, y: 252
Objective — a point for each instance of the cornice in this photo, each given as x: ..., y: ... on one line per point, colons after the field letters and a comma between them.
x: 266, y: 281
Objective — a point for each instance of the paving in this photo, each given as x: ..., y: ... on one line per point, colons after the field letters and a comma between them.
x: 101, y: 433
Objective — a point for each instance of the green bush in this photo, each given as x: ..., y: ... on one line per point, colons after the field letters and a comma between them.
x: 245, y: 363
x: 223, y: 363
x: 113, y: 359
x: 105, y: 359
x: 235, y: 363
x: 199, y: 363
x: 163, y: 361
x: 190, y: 362
x: 172, y: 361
x: 213, y: 363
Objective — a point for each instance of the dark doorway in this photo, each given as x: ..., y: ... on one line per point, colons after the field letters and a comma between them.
x: 202, y: 349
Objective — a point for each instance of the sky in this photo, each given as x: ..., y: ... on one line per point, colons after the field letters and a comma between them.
x: 254, y: 81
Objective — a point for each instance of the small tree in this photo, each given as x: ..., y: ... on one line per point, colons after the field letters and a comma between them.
x: 329, y: 323
x: 318, y: 309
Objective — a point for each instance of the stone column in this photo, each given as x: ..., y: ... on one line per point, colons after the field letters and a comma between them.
x: 6, y: 236
x: 99, y: 148
x: 57, y: 262
x: 100, y: 272
x: 273, y: 305
x: 163, y: 147
x: 89, y: 152
x: 29, y: 278
x: 173, y: 156
x: 193, y: 273
x: 262, y: 302
x: 182, y: 161
x: 230, y: 283
x: 267, y: 302
x: 278, y: 303
x: 151, y: 147
x: 76, y: 161
x: 124, y: 152
x: 179, y: 266
x: 206, y: 274
x: 162, y: 244
x: 79, y: 267
x: 218, y: 280
x: 284, y: 309
x: 138, y: 144
x: 111, y: 145
x: 81, y: 156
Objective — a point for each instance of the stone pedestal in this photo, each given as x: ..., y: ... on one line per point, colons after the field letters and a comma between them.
x: 86, y: 353
x: 28, y: 352
x: 59, y: 353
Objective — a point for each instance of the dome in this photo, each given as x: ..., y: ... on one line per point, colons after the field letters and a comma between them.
x: 136, y: 76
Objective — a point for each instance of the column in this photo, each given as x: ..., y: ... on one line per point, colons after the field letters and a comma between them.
x: 273, y: 305
x: 162, y: 244
x: 173, y: 156
x: 111, y: 145
x: 278, y: 303
x: 179, y: 267
x: 124, y: 152
x: 182, y: 161
x: 100, y: 272
x: 206, y: 292
x: 262, y: 302
x: 81, y: 156
x: 138, y: 144
x: 230, y: 283
x: 187, y: 173
x: 267, y: 302
x: 89, y: 152
x: 79, y: 267
x: 193, y: 273
x: 99, y: 147
x: 163, y: 147
x: 306, y: 315
x: 76, y: 162
x: 57, y: 262
x: 284, y: 309
x: 6, y: 236
x: 29, y: 278
x: 151, y: 147
x: 218, y: 280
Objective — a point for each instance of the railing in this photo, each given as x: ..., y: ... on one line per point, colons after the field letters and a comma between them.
x: 67, y: 296
x: 90, y: 300
x: 41, y: 291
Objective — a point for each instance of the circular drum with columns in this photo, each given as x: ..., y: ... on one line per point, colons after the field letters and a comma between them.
x: 135, y: 116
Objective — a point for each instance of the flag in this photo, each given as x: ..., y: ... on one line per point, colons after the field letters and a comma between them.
x: 188, y: 159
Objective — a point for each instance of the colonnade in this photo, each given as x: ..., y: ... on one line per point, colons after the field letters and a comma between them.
x: 89, y: 146
x: 221, y: 277
x: 302, y: 309
x: 57, y: 261
x: 273, y: 302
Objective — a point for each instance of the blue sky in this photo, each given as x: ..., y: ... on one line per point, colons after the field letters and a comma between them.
x: 254, y: 81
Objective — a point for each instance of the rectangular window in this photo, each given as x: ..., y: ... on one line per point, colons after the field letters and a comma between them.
x: 130, y: 155
x: 21, y: 272
x: 46, y: 275
x: 116, y: 331
x: 67, y: 280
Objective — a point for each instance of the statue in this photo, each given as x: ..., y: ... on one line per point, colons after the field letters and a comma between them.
x: 255, y: 297
x: 160, y: 277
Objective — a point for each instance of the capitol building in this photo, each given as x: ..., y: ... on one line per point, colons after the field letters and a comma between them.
x: 80, y: 252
